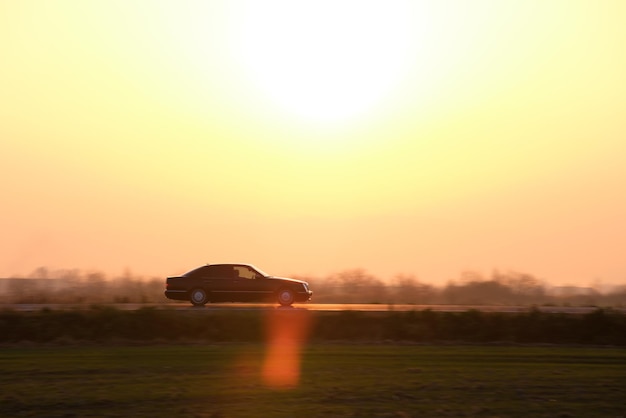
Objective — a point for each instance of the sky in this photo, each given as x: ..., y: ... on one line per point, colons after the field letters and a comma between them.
x: 422, y: 138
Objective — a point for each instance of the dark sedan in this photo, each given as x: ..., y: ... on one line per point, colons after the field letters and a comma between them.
x: 235, y: 283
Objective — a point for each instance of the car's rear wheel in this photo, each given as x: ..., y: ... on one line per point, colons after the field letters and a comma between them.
x: 198, y: 297
x: 285, y: 297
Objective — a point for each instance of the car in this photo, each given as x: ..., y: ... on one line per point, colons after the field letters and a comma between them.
x: 235, y: 283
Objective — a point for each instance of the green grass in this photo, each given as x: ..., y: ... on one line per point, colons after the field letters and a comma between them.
x: 336, y: 380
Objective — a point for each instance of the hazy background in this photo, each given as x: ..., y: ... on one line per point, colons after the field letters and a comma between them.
x: 500, y: 288
x: 421, y: 138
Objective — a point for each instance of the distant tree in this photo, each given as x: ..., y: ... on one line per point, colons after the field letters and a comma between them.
x: 478, y: 292
x: 356, y: 286
x: 95, y: 287
x: 408, y: 289
x: 525, y: 288
x: 40, y: 273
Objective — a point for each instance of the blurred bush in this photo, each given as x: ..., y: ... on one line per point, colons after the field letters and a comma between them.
x: 102, y: 324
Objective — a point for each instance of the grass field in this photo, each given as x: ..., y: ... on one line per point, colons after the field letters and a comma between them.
x: 331, y: 380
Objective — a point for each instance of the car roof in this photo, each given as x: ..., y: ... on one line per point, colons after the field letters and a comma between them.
x: 231, y: 264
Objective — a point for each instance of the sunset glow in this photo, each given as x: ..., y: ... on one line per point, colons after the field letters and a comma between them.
x: 401, y: 137
x: 323, y: 66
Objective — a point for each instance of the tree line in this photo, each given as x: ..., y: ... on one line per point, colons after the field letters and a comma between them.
x: 349, y: 286
x: 471, y: 288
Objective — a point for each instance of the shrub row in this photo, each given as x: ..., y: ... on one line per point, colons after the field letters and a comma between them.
x: 107, y: 324
x: 602, y: 327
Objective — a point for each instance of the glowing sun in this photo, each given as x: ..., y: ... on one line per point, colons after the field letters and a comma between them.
x: 324, y: 60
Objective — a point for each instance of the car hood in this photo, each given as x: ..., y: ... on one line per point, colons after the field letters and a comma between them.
x: 286, y: 279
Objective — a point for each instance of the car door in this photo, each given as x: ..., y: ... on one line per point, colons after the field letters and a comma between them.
x: 251, y: 285
x: 220, y: 284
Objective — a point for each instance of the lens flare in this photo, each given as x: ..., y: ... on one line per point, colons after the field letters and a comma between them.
x: 287, y: 330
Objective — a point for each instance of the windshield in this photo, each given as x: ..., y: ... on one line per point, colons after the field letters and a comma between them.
x: 259, y: 270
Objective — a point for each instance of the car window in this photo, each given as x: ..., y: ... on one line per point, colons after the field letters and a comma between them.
x: 245, y: 272
x: 220, y: 272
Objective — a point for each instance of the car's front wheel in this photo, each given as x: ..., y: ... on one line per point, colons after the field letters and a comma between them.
x: 285, y: 297
x: 198, y: 297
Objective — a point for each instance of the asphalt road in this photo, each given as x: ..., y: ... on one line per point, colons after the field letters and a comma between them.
x: 330, y: 307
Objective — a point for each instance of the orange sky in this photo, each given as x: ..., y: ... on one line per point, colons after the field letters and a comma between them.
x: 416, y: 137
